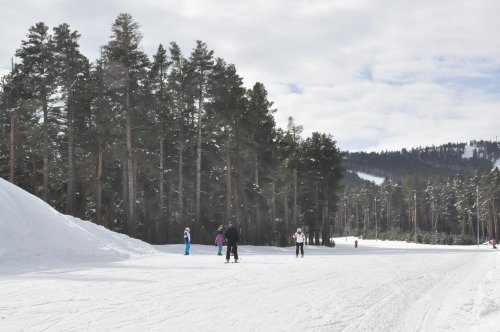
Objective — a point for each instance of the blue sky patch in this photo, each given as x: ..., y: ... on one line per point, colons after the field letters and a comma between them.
x: 295, y: 88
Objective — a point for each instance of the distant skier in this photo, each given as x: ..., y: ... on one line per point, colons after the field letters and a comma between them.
x: 299, y: 242
x: 355, y: 243
x: 187, y: 240
x: 219, y: 239
x: 232, y: 238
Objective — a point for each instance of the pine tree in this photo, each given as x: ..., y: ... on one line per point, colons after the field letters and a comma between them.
x: 294, y: 140
x: 201, y: 62
x: 261, y: 129
x: 37, y: 70
x: 70, y: 67
x: 321, y: 162
x: 126, y: 64
x: 180, y: 104
x: 162, y: 119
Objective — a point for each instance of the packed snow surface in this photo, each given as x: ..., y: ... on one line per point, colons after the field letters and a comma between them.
x: 377, y: 287
x: 108, y: 282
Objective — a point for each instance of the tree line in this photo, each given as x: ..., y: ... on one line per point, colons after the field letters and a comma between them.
x: 148, y: 146
x: 453, y: 210
x: 426, y: 162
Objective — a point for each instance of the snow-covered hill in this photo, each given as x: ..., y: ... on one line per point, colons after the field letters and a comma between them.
x: 32, y: 231
x: 380, y: 286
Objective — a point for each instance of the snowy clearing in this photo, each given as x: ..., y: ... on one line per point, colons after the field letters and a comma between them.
x: 59, y: 273
x: 375, y: 179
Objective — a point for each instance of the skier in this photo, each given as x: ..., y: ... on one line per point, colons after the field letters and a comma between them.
x: 355, y: 243
x: 232, y: 238
x: 219, y: 239
x: 187, y: 240
x: 299, y: 242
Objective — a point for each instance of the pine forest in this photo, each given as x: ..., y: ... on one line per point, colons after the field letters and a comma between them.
x: 148, y: 145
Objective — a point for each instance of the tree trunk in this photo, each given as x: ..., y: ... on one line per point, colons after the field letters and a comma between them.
x: 13, y: 115
x: 99, y: 183
x: 70, y: 197
x: 45, y: 193
x: 228, y: 184
x: 273, y: 210
x: 357, y: 219
x: 326, y: 224
x: 256, y: 169
x: 323, y: 226
x: 258, y: 221
x: 295, y: 183
x: 286, y: 212
x: 181, y: 177
x: 198, y: 163
x: 161, y: 194
x: 125, y: 193
x: 463, y: 224
x: 130, y: 166
x: 241, y: 187
x: 134, y: 197
x: 316, y: 216
x: 170, y: 225
x: 237, y: 215
x: 257, y: 234
x: 35, y: 185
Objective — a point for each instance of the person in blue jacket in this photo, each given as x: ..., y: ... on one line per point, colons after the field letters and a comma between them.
x: 187, y: 240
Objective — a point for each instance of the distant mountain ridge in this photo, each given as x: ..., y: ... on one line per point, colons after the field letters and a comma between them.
x: 426, y: 162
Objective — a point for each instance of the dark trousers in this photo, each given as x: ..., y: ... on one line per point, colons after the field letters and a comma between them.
x: 301, y: 246
x: 234, y: 248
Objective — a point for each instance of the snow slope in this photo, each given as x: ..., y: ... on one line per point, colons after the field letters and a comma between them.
x: 468, y: 151
x: 33, y: 232
x: 105, y: 281
x: 376, y: 179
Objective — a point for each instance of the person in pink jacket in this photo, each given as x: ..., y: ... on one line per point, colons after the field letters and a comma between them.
x: 219, y: 239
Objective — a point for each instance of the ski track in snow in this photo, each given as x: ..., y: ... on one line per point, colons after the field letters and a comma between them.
x: 377, y: 287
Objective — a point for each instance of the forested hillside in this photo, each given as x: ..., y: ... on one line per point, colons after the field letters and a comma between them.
x: 149, y: 145
x: 447, y: 194
x: 427, y: 162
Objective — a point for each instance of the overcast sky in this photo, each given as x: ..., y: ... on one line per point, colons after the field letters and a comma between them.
x: 377, y: 75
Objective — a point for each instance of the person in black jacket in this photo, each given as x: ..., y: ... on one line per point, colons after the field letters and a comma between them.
x: 232, y: 238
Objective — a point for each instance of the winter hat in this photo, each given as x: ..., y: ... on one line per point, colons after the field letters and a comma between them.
x: 299, y: 230
x: 187, y: 229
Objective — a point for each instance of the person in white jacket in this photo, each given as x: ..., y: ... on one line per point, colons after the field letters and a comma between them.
x: 299, y: 242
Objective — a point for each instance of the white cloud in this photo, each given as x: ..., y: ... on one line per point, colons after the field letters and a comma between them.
x: 377, y: 75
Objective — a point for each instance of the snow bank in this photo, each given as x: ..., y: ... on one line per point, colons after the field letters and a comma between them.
x: 32, y: 231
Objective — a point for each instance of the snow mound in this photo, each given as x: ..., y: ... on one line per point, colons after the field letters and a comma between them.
x: 31, y: 230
